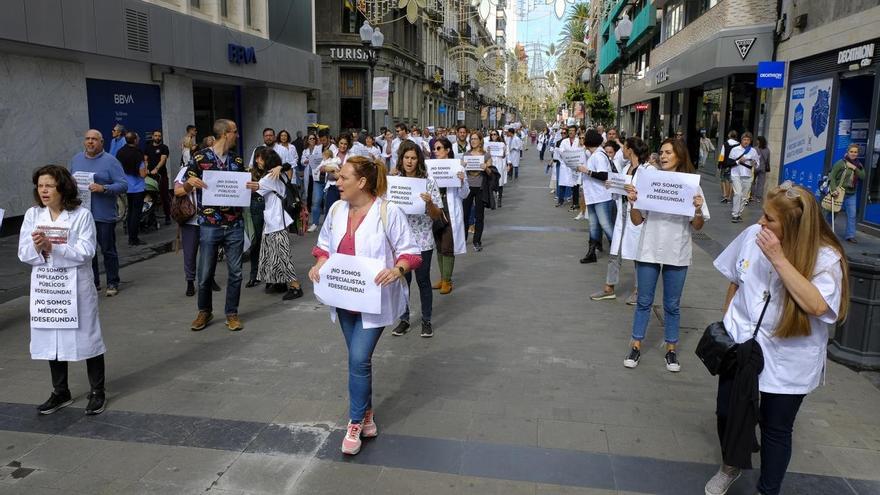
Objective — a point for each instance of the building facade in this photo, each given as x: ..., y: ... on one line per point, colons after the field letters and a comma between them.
x: 831, y: 97
x: 159, y: 64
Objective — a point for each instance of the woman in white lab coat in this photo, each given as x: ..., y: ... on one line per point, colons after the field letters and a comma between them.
x: 364, y: 224
x: 501, y: 163
x: 60, y: 234
x: 276, y: 258
x: 791, y: 255
x: 450, y: 239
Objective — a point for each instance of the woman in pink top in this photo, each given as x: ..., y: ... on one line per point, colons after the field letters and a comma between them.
x: 364, y: 224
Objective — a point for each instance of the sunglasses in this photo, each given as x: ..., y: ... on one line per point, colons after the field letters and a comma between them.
x: 439, y: 148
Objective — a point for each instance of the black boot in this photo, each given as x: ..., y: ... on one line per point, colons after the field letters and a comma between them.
x: 591, y: 254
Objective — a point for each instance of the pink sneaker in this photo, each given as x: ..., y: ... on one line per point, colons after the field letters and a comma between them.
x: 351, y: 444
x: 370, y: 430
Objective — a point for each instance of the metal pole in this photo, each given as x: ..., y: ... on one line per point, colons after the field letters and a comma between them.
x: 620, y: 85
x: 372, y: 81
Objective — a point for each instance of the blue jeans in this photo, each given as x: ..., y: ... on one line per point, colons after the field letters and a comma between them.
x: 317, y: 197
x: 232, y: 239
x: 331, y: 196
x: 849, y: 206
x: 360, y: 342
x: 105, y: 234
x: 423, y: 280
x: 601, y: 220
x: 673, y: 284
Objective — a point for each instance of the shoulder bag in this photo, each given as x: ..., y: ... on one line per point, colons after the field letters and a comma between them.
x: 717, y: 350
x: 182, y: 209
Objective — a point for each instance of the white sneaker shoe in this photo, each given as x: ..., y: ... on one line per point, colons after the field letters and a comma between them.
x: 312, y: 228
x: 722, y: 481
x: 580, y: 216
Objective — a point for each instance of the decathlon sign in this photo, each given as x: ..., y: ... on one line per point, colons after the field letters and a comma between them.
x: 771, y: 75
x: 856, y: 54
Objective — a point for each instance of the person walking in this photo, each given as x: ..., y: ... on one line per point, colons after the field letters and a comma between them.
x: 761, y: 169
x: 480, y: 183
x: 364, y: 224
x: 411, y: 163
x: 156, y: 157
x: 502, y: 163
x: 276, y: 266
x: 132, y: 160
x: 846, y: 173
x: 117, y: 139
x: 340, y: 152
x: 566, y: 176
x: 69, y: 248
x: 625, y: 241
x: 219, y: 226
x: 725, y: 165
x: 449, y: 233
x: 707, y: 148
x: 790, y: 267
x: 256, y: 212
x: 311, y: 160
x: 514, y: 153
x: 665, y: 249
x: 746, y: 158
x: 107, y: 182
x: 287, y: 151
x: 189, y: 231
x: 600, y: 205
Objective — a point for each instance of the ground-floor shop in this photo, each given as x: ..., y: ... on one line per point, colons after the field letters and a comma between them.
x: 832, y: 101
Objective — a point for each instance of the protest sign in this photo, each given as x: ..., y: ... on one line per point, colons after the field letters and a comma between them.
x: 495, y: 148
x: 225, y: 188
x: 573, y: 158
x: 56, y: 233
x: 2, y: 214
x: 444, y: 172
x: 666, y: 192
x: 404, y: 192
x: 617, y: 182
x: 83, y: 180
x: 473, y: 163
x: 53, y: 297
x: 348, y: 282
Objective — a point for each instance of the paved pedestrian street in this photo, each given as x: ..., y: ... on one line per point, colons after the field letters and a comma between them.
x: 521, y: 391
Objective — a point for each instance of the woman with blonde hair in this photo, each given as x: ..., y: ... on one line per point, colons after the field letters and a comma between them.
x: 791, y: 266
x: 361, y: 223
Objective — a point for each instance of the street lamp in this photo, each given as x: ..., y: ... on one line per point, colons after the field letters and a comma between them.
x: 372, y: 40
x: 622, y: 33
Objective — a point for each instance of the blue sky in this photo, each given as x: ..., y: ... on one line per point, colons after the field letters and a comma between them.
x: 540, y: 25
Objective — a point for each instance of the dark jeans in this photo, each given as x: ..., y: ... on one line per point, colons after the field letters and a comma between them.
x: 330, y: 196
x: 105, y: 233
x: 474, y: 202
x: 258, y: 206
x: 500, y: 192
x: 94, y: 368
x: 132, y: 220
x: 211, y: 237
x: 360, y: 343
x: 778, y: 412
x: 576, y: 196
x: 541, y: 152
x: 164, y: 192
x: 516, y: 172
x: 423, y: 280
x: 189, y: 238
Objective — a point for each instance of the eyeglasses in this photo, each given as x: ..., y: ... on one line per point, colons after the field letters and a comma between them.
x: 790, y: 191
x: 439, y: 148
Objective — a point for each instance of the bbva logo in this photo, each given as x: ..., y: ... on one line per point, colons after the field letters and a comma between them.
x: 240, y: 55
x: 122, y: 99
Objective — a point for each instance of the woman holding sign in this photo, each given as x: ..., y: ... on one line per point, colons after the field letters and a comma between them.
x: 499, y: 161
x: 449, y: 233
x: 363, y: 225
x: 411, y: 163
x: 57, y: 239
x: 664, y: 249
x: 480, y: 186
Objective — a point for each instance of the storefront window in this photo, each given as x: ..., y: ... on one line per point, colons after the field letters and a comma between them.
x: 741, y: 103
x: 709, y: 112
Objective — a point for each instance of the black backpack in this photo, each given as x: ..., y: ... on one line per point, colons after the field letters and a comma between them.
x: 292, y: 201
x: 727, y: 162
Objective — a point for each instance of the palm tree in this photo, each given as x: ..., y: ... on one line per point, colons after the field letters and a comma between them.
x: 575, y: 25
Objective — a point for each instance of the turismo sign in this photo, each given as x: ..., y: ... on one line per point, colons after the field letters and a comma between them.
x: 771, y: 75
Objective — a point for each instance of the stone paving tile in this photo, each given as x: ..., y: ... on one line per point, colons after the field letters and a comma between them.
x: 191, y: 468
x: 259, y: 473
x: 653, y: 442
x: 436, y: 424
x: 567, y: 435
x: 854, y: 463
x: 335, y: 478
x: 503, y: 430
x: 63, y: 454
x: 14, y: 445
x: 394, y: 481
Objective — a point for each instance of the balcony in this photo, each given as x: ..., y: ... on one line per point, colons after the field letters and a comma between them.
x: 613, y: 14
x: 644, y: 24
x: 608, y: 55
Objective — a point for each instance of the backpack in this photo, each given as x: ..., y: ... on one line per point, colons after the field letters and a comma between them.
x: 726, y: 161
x: 291, y: 202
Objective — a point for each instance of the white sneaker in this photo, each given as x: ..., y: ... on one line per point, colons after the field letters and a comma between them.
x: 723, y: 479
x: 312, y: 228
x: 580, y: 216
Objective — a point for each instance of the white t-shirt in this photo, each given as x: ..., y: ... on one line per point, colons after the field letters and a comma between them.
x: 751, y: 156
x: 666, y: 238
x: 793, y: 365
x: 594, y: 189
x: 274, y: 216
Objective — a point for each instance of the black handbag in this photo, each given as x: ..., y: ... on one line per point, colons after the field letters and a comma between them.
x: 440, y: 224
x: 717, y: 350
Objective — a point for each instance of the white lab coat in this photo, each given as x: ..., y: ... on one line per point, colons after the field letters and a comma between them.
x: 66, y: 344
x: 500, y: 162
x: 373, y: 241
x: 454, y: 152
x: 454, y: 198
x: 515, y: 147
x: 627, y: 241
x: 274, y: 216
x: 288, y: 155
x: 568, y: 177
x: 793, y: 365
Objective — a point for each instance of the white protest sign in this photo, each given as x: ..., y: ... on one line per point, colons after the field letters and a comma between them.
x: 573, y: 158
x: 473, y: 163
x: 53, y: 297
x: 444, y: 172
x: 83, y: 180
x: 348, y: 282
x: 495, y: 148
x: 404, y: 191
x: 666, y: 192
x: 617, y: 182
x: 2, y: 214
x: 225, y: 188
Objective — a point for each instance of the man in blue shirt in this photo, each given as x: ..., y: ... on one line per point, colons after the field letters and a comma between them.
x: 107, y: 182
x: 117, y: 141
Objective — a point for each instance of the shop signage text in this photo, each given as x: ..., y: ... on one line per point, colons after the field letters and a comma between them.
x: 771, y: 75
x: 661, y: 76
x: 403, y: 64
x: 241, y: 55
x: 356, y: 54
x: 855, y: 54
x: 641, y: 107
